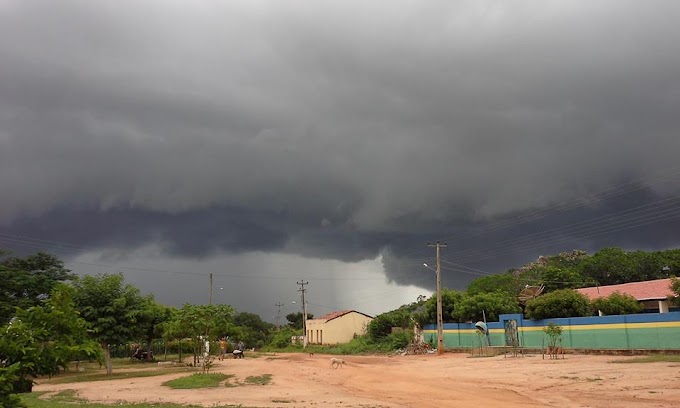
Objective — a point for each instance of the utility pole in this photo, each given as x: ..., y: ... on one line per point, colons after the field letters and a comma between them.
x: 278, y: 314
x: 304, y: 313
x: 211, y: 286
x: 440, y: 322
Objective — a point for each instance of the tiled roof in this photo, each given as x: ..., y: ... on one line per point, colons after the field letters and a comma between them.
x: 647, y: 290
x: 339, y: 313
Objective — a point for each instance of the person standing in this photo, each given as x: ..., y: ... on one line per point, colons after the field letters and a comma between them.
x: 223, y: 347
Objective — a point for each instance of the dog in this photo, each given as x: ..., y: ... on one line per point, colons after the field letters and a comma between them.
x: 337, y: 362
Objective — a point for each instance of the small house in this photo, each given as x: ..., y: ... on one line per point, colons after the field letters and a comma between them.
x: 337, y: 327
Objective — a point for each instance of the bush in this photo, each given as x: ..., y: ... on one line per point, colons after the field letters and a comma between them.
x: 281, y: 339
x: 617, y: 304
x: 380, y: 327
x: 560, y: 303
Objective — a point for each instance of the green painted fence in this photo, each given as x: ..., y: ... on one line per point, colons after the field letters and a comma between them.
x: 649, y: 331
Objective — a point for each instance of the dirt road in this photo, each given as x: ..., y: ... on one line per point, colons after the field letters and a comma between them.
x: 451, y: 380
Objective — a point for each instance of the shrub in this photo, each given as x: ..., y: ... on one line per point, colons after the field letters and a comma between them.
x: 617, y: 304
x: 560, y: 303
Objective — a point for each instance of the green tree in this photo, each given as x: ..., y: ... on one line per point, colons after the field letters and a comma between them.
x: 470, y: 307
x: 152, y: 319
x: 40, y: 341
x: 449, y: 300
x: 380, y: 327
x: 196, y: 321
x: 610, y: 266
x: 253, y: 330
x: 560, y: 303
x: 114, y: 311
x: 617, y: 304
x: 556, y: 278
x: 295, y: 319
x: 25, y: 282
x: 505, y: 283
x: 675, y: 287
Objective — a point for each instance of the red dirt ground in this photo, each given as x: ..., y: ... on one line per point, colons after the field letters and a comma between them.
x: 451, y: 380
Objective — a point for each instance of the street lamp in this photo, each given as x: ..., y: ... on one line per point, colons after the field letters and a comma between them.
x: 440, y: 322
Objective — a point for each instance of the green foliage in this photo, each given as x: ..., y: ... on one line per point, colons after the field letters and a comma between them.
x: 27, y: 281
x: 610, y: 266
x: 556, y: 278
x: 115, y: 311
x: 505, y: 283
x: 404, y: 317
x: 675, y: 287
x: 263, y: 379
x: 295, y: 319
x: 470, y: 307
x: 449, y: 300
x: 62, y: 400
x: 252, y: 330
x: 652, y: 358
x: 618, y: 304
x: 397, y: 340
x: 281, y: 338
x: 8, y: 376
x: 560, y: 303
x: 195, y: 321
x: 152, y: 319
x: 197, y: 380
x: 380, y: 326
x: 554, y: 333
x: 41, y: 341
x: 99, y: 375
x: 203, y: 320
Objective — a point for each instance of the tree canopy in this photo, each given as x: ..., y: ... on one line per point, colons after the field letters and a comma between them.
x: 115, y: 311
x: 41, y: 340
x: 25, y: 282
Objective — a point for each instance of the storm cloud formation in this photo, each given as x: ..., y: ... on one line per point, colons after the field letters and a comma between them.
x: 339, y: 130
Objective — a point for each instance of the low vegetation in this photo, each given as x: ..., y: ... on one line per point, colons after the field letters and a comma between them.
x: 68, y: 399
x: 102, y: 376
x: 197, y: 380
x: 263, y: 379
x: 652, y: 358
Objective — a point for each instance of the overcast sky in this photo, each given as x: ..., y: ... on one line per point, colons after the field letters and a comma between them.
x: 272, y: 141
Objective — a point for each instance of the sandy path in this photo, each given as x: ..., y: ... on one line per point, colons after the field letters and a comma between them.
x: 452, y: 380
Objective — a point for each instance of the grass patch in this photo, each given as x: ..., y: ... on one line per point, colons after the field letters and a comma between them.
x: 283, y: 401
x: 652, y: 358
x: 197, y: 380
x: 263, y: 379
x: 66, y: 399
x: 101, y: 376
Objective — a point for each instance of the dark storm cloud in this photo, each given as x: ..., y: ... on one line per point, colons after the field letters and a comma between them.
x: 329, y: 129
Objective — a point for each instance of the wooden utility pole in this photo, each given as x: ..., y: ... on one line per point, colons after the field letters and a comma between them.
x: 440, y: 320
x: 304, y: 313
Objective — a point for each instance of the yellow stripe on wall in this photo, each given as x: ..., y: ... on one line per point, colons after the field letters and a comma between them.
x: 630, y: 326
x: 633, y: 326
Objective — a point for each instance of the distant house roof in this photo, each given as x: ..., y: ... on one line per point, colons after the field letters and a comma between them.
x: 334, y: 315
x: 647, y: 290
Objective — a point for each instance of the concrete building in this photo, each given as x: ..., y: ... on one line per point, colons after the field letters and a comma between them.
x: 337, y: 327
x: 653, y: 295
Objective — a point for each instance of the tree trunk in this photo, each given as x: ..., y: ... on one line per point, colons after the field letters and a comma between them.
x: 107, y: 357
